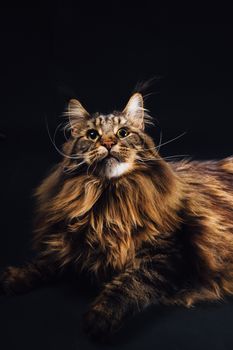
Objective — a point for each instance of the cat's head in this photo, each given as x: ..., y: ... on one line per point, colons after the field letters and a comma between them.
x: 109, y: 145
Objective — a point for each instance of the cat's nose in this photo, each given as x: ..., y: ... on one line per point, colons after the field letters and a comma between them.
x: 108, y: 143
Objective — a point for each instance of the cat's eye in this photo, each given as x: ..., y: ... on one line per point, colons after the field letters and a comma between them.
x: 92, y: 134
x: 121, y: 133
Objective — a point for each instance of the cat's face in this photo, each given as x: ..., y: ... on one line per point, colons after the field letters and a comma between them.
x: 113, y: 144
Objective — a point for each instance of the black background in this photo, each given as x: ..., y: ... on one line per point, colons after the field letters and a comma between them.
x: 98, y: 53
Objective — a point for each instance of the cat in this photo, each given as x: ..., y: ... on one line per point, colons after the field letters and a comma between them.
x: 144, y: 229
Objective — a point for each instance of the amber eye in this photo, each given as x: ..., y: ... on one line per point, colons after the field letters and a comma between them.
x: 121, y: 133
x: 92, y: 134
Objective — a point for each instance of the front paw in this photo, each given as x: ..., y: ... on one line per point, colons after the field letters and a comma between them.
x: 98, y: 324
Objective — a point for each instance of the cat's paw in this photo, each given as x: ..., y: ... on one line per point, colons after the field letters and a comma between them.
x: 12, y: 281
x: 98, y: 325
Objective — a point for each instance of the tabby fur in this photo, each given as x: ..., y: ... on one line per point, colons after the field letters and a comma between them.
x: 159, y: 232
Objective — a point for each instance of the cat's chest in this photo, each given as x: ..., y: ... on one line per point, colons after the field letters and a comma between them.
x: 105, y: 245
x: 107, y: 234
x: 105, y: 254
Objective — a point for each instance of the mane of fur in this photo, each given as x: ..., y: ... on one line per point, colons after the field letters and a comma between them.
x: 111, y: 219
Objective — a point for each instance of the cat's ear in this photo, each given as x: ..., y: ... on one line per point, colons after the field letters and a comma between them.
x: 77, y: 116
x: 134, y: 110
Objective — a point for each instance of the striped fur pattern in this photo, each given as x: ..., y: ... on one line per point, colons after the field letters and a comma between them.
x: 146, y: 232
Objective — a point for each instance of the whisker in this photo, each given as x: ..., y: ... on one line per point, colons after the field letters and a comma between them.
x: 54, y: 144
x: 165, y: 143
x: 143, y: 160
x: 160, y: 140
x: 64, y: 133
x: 52, y: 139
x: 176, y: 156
x: 69, y: 169
x: 175, y: 138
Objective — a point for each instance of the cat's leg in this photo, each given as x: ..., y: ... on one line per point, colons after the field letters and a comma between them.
x: 18, y: 280
x: 127, y: 294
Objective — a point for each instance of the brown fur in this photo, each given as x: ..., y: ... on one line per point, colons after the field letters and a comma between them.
x: 161, y: 232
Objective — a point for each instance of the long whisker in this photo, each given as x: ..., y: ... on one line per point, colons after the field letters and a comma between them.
x: 54, y: 144
x: 175, y: 138
x: 76, y: 155
x: 176, y: 156
x: 144, y: 160
x: 69, y: 169
x: 160, y: 140
x: 64, y: 133
x: 165, y: 143
x: 52, y: 139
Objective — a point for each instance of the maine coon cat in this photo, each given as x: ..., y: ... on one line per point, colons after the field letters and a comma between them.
x: 146, y: 230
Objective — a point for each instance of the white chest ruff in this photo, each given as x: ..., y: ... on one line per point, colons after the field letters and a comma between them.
x: 117, y: 169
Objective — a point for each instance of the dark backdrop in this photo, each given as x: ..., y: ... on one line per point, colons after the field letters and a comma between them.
x: 98, y: 53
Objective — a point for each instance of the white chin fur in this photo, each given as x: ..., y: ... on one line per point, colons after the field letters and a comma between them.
x: 117, y: 169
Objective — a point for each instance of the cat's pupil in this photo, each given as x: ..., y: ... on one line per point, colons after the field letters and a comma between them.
x: 122, y: 133
x: 92, y: 134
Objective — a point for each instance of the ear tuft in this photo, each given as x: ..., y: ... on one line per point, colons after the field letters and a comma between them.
x: 135, y: 103
x: 134, y: 110
x: 76, y: 109
x: 77, y: 115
